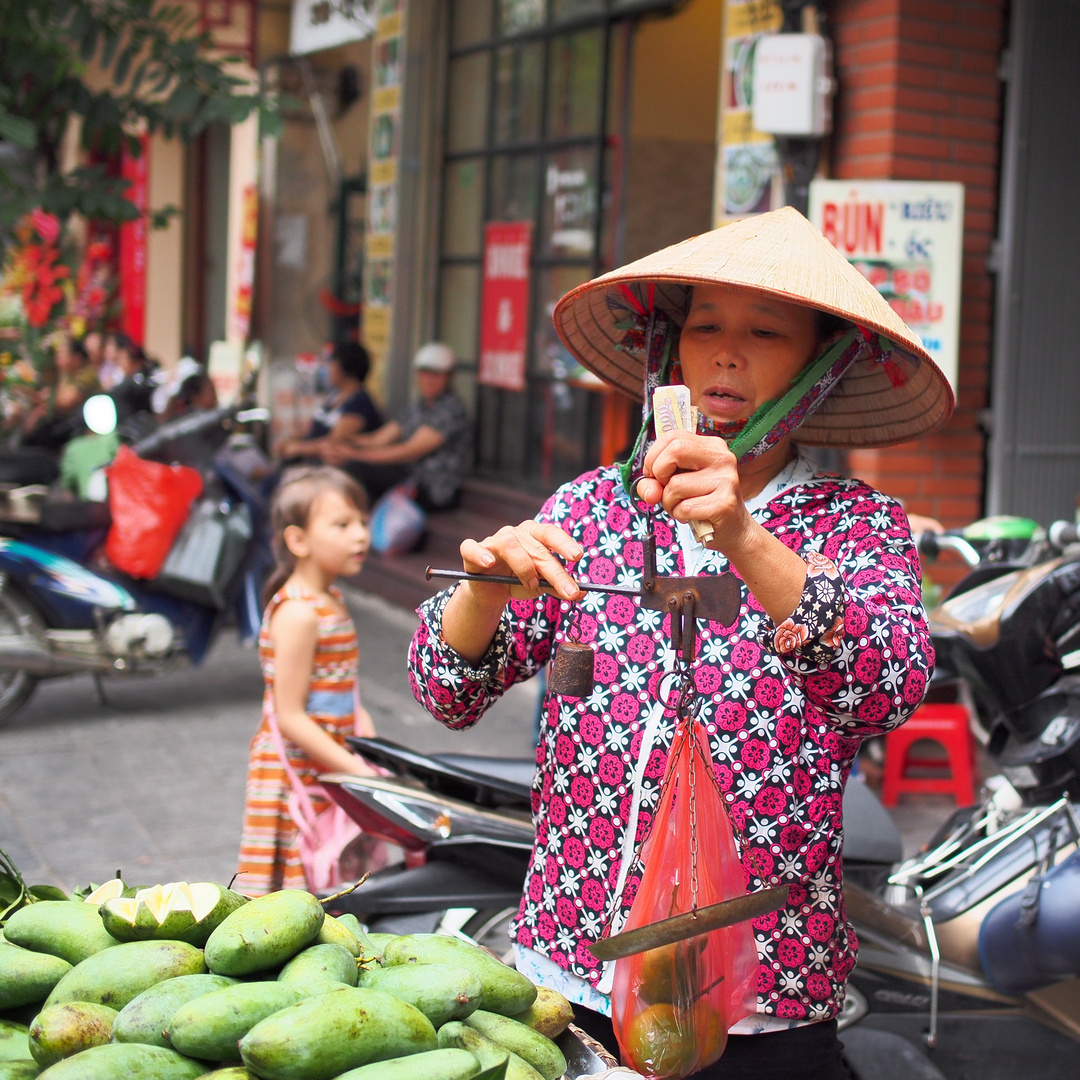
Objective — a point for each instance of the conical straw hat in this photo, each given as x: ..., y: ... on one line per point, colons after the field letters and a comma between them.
x: 879, y: 401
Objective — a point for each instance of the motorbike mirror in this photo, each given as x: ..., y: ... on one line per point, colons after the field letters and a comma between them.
x: 99, y: 413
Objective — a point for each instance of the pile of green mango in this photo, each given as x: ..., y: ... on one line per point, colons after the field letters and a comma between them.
x: 272, y: 988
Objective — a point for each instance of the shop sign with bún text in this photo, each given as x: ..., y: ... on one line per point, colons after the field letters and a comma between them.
x: 906, y: 238
x: 505, y: 305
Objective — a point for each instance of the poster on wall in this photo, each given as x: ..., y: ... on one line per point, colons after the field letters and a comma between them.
x: 324, y: 24
x: 906, y: 238
x: 384, y: 148
x: 505, y: 304
x: 132, y: 243
x: 748, y: 171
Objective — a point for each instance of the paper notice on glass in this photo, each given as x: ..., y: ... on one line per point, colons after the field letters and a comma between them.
x: 672, y: 411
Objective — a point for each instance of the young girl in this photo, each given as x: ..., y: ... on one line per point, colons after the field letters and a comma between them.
x: 309, y: 655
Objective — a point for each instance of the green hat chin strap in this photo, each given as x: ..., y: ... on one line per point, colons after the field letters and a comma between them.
x: 774, y: 419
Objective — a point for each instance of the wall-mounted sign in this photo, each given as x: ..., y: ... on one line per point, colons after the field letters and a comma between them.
x: 748, y: 169
x: 505, y: 305
x: 906, y: 238
x: 133, y: 240
x: 322, y: 24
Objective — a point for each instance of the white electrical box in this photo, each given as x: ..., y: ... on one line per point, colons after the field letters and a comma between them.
x: 792, y: 89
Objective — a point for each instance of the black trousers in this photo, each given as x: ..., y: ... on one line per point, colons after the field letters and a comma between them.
x: 811, y: 1052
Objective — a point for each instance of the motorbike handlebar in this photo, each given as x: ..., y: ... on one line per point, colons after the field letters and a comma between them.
x: 184, y: 426
x: 932, y: 544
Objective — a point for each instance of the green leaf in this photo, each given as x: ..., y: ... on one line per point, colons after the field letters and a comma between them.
x: 17, y: 129
x: 123, y: 65
x: 112, y: 43
x: 47, y: 892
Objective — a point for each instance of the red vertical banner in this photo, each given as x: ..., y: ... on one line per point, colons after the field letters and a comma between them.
x: 245, y: 277
x: 504, y: 315
x: 133, y: 235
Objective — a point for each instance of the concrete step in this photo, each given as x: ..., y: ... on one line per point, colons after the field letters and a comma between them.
x: 485, y: 508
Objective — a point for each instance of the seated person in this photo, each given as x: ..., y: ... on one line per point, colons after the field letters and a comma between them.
x: 346, y: 412
x: 57, y: 415
x: 196, y: 394
x: 427, y: 445
x: 136, y: 388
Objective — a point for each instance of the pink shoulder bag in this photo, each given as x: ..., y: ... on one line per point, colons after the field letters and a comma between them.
x: 324, y: 834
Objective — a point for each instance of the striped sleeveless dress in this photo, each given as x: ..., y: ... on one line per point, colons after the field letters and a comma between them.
x: 269, y: 857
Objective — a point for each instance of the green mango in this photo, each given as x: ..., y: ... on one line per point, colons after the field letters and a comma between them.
x: 177, y: 911
x: 439, y: 991
x: 27, y: 977
x: 126, y: 1061
x: 231, y: 1072
x: 59, y: 1031
x: 380, y: 941
x: 118, y: 975
x: 326, y: 1035
x: 529, y: 1045
x: 145, y: 1018
x: 490, y: 1054
x: 335, y: 932
x: 506, y: 991
x: 432, y: 1065
x: 13, y: 1041
x: 210, y: 1026
x: 70, y: 929
x: 320, y: 968
x: 264, y: 933
x: 550, y: 1014
x: 21, y: 1069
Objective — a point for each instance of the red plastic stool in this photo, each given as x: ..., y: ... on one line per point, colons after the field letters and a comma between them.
x: 944, y: 724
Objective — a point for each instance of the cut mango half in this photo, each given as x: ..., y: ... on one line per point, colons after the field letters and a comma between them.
x: 177, y: 911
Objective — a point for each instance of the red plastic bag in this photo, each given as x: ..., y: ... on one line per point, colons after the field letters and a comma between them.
x: 672, y: 1006
x: 149, y: 503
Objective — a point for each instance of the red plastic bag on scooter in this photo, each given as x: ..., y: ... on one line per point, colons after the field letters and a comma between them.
x: 672, y: 1006
x: 149, y: 503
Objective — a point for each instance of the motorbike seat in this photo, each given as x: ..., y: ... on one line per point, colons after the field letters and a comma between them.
x: 519, y: 771
x: 28, y: 465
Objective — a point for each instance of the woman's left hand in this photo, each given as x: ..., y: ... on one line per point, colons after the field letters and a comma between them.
x: 696, y: 478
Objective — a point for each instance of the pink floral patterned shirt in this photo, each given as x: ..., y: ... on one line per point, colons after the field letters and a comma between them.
x: 785, y: 707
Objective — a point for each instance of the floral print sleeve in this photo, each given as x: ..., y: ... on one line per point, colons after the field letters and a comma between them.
x: 458, y: 693
x: 858, y: 640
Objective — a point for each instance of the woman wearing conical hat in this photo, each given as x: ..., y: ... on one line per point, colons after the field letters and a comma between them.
x: 780, y: 342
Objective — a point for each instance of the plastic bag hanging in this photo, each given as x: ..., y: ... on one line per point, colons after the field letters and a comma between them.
x: 672, y: 1006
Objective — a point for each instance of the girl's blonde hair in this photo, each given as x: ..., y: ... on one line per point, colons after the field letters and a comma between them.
x: 291, y: 505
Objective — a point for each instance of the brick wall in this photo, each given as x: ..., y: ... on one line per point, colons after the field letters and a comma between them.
x: 919, y: 99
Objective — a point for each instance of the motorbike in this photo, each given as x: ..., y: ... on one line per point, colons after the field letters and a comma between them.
x: 61, y: 613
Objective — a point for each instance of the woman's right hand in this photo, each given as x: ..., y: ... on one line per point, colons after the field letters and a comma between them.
x: 530, y: 552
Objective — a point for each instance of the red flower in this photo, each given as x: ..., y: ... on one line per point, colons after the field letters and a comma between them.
x: 47, y: 226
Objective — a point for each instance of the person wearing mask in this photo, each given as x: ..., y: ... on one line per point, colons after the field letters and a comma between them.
x: 348, y: 410
x: 427, y: 446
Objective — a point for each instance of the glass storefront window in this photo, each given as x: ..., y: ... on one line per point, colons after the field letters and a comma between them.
x: 518, y: 71
x: 573, y: 9
x: 463, y: 207
x: 459, y: 310
x: 514, y: 188
x: 471, y: 23
x: 517, y: 15
x: 467, y: 107
x: 570, y: 203
x: 575, y: 66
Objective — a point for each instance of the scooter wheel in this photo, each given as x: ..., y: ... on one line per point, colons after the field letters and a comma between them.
x: 17, y: 619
